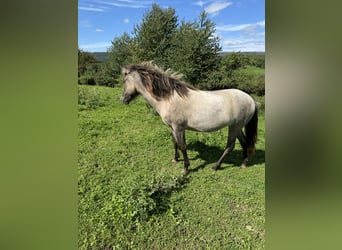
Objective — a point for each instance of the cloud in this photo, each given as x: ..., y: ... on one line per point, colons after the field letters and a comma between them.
x: 128, y: 3
x: 95, y: 47
x: 261, y: 24
x: 85, y: 24
x: 201, y: 3
x: 230, y: 28
x: 91, y: 9
x: 241, y: 44
x: 242, y: 37
x: 126, y: 20
x: 249, y: 27
x: 99, y: 30
x: 214, y: 8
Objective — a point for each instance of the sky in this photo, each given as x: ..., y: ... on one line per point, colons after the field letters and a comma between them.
x: 240, y: 24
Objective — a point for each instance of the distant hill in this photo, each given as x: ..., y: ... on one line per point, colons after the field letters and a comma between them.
x: 104, y: 56
x: 101, y: 56
x: 246, y: 53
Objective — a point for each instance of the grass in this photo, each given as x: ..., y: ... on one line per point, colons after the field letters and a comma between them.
x: 252, y: 70
x: 131, y: 196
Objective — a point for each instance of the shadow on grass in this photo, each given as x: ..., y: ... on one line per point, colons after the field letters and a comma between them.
x: 211, y: 154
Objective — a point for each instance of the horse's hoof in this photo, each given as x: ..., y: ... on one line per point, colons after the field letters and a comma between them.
x: 243, y: 165
x: 174, y: 160
x: 214, y: 168
x: 185, y: 171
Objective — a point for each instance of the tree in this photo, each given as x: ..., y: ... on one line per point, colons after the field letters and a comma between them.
x: 84, y: 60
x: 153, y: 37
x: 236, y: 60
x: 191, y: 48
x: 195, y: 49
x: 120, y: 54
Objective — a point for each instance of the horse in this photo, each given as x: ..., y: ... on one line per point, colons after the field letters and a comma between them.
x: 181, y: 106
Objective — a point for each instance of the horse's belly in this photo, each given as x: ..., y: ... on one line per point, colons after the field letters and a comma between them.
x: 207, y: 125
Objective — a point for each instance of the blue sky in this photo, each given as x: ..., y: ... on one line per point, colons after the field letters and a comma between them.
x: 240, y: 24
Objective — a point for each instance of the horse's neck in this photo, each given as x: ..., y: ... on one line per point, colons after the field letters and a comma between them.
x: 151, y: 100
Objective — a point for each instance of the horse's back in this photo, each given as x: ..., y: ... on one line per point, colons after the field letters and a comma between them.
x: 242, y: 104
x: 212, y: 110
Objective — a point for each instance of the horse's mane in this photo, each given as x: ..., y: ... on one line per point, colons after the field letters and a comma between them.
x: 161, y: 84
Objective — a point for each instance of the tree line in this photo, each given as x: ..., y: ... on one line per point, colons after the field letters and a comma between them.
x: 188, y: 47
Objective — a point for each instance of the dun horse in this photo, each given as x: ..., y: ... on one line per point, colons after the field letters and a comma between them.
x: 181, y: 107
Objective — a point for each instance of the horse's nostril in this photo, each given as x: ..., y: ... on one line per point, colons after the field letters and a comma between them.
x: 125, y: 98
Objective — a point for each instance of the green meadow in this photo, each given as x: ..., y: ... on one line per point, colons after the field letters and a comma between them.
x: 131, y: 195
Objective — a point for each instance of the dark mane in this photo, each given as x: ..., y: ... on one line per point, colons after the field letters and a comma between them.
x: 161, y: 84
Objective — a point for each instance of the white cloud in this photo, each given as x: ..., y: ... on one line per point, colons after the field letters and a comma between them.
x: 249, y: 27
x: 128, y: 3
x: 86, y: 24
x: 99, y: 30
x: 95, y: 47
x: 126, y: 20
x: 243, y: 44
x: 214, y: 8
x: 91, y: 9
x: 228, y: 28
x: 242, y: 37
x: 261, y: 24
x: 201, y: 3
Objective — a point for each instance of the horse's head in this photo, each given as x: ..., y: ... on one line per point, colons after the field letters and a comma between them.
x: 130, y: 91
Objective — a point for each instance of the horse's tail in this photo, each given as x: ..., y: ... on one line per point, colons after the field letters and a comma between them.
x: 252, y: 133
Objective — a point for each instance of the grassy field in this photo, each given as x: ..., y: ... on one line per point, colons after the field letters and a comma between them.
x: 131, y: 196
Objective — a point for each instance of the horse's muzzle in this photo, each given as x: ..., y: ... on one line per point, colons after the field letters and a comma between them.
x: 125, y: 98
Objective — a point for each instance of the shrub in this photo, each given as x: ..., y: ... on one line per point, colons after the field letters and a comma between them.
x: 90, y: 97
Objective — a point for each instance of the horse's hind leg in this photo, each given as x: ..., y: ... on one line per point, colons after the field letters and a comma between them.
x: 242, y: 140
x: 233, y: 132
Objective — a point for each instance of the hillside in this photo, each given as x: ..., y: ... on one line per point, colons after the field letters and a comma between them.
x: 101, y: 56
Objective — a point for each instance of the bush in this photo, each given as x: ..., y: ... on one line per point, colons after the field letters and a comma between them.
x: 86, y: 80
x: 90, y: 97
x: 105, y: 80
x: 249, y: 81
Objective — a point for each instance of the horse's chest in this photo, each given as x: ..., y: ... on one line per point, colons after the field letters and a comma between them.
x: 172, y: 117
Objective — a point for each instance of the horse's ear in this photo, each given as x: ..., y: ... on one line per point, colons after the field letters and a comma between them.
x: 124, y: 71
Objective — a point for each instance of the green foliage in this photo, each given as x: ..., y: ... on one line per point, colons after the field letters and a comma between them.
x: 120, y: 54
x: 84, y: 60
x: 153, y: 37
x: 95, y: 73
x: 131, y: 196
x: 92, y: 98
x: 235, y: 60
x: 250, y: 79
x: 191, y: 48
x: 195, y: 50
x: 237, y: 70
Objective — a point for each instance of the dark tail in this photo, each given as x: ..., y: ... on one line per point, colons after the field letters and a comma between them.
x: 252, y: 133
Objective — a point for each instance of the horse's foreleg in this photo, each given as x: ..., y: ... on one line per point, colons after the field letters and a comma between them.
x: 174, y: 141
x: 179, y: 136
